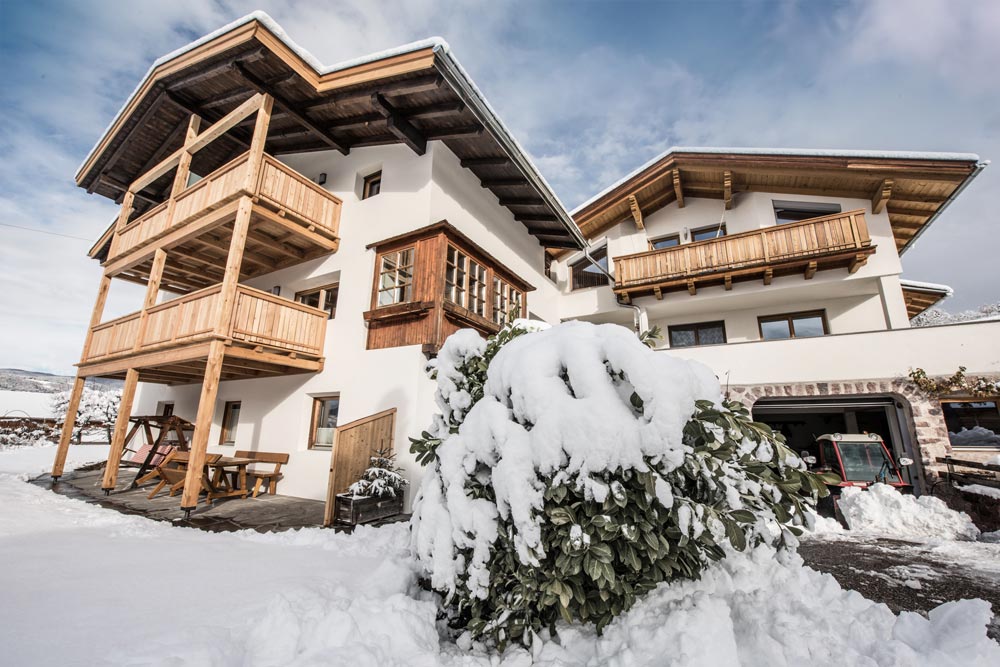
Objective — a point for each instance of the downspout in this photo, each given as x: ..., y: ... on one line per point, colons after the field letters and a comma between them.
x: 638, y: 314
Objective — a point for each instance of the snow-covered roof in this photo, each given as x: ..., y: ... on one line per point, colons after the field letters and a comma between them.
x: 926, y: 287
x: 791, y: 152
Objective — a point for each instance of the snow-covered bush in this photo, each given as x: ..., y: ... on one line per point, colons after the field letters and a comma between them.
x: 26, y: 433
x: 935, y: 316
x: 97, y: 408
x: 382, y: 479
x: 573, y: 469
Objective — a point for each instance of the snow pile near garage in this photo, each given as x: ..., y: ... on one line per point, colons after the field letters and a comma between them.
x: 882, y: 509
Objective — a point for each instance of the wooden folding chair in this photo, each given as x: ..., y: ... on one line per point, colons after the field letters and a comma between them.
x: 175, y: 475
x: 262, y: 474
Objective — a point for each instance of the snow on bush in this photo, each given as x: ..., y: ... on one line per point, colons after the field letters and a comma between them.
x: 96, y: 407
x: 882, y: 509
x: 935, y: 316
x: 573, y: 469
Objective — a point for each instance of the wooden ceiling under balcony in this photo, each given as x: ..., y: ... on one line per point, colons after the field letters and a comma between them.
x: 911, y: 190
x: 404, y: 98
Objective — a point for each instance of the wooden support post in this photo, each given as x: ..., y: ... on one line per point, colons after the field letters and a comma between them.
x: 882, y: 194
x: 692, y: 288
x: 727, y: 189
x: 121, y: 429
x: 678, y: 188
x: 658, y: 293
x: 768, y: 275
x: 810, y: 270
x: 67, y: 430
x: 152, y: 291
x: 729, y: 282
x: 202, y: 426
x: 234, y: 262
x: 261, y: 124
x: 184, y: 164
x: 128, y: 199
x: 859, y: 260
x: 633, y: 204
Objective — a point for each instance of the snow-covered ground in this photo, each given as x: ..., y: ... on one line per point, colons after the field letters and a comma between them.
x: 25, y: 403
x: 84, y: 585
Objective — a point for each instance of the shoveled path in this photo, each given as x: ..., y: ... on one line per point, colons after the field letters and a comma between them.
x: 909, y: 576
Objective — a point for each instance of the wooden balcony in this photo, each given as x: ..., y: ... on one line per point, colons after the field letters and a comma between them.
x: 833, y: 241
x: 293, y: 220
x: 168, y: 343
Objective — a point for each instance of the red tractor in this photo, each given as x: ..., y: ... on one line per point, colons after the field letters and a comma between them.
x: 857, y: 459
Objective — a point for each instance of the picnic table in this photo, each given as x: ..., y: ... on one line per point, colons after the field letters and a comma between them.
x: 229, y: 478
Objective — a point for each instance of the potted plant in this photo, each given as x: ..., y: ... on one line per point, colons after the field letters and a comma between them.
x: 377, y: 495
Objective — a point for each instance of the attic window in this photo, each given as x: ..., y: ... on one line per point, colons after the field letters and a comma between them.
x: 372, y: 185
x: 793, y: 211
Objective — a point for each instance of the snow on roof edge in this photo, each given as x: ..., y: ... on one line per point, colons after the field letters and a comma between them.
x: 797, y: 152
x: 265, y: 19
x: 929, y: 287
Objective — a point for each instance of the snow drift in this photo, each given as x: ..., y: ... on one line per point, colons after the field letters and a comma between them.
x: 882, y: 509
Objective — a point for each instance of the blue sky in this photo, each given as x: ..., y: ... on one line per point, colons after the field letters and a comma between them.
x: 591, y: 89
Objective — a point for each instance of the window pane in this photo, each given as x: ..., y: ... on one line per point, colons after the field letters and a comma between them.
x: 585, y: 274
x: 309, y: 299
x: 666, y: 242
x: 806, y: 327
x: 682, y: 337
x: 708, y: 233
x: 330, y: 305
x: 775, y: 330
x: 326, y: 422
x: 972, y: 424
x: 712, y: 334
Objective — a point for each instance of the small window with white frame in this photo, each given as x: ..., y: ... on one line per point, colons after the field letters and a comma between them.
x: 507, y: 299
x: 395, y: 279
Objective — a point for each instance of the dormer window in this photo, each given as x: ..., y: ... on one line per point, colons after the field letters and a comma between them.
x: 372, y: 185
x: 793, y: 211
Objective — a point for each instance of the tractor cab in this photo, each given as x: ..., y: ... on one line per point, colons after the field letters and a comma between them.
x: 859, y: 459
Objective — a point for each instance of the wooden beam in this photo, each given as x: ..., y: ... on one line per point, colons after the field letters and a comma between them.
x: 911, y: 212
x: 882, y: 194
x: 413, y: 85
x: 768, y: 275
x: 810, y: 270
x: 692, y: 288
x: 633, y: 205
x: 535, y: 217
x: 399, y: 125
x: 291, y: 109
x: 502, y: 182
x: 215, y: 70
x: 454, y: 133
x: 728, y: 282
x: 520, y: 201
x: 226, y: 99
x: 727, y: 188
x: 184, y: 164
x: 121, y: 428
x: 658, y: 293
x: 193, y: 109
x: 859, y: 260
x: 256, y: 151
x: 678, y: 190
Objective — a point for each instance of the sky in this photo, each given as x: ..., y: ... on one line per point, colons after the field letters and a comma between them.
x: 591, y: 89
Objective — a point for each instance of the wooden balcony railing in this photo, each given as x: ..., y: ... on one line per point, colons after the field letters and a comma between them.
x: 275, y: 186
x: 842, y: 236
x: 259, y: 319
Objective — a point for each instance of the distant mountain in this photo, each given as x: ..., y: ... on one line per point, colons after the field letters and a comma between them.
x: 15, y: 379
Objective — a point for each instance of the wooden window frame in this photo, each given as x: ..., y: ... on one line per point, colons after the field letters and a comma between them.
x: 228, y: 428
x: 510, y: 296
x: 373, y: 179
x: 547, y: 263
x: 821, y: 209
x: 720, y: 230
x: 790, y: 317
x: 970, y: 399
x: 697, y: 326
x: 317, y: 407
x: 664, y: 237
x: 584, y: 260
x: 456, y: 289
x: 322, y: 293
x: 395, y: 271
x: 167, y: 409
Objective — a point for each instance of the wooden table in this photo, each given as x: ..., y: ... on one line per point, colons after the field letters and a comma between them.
x: 225, y: 489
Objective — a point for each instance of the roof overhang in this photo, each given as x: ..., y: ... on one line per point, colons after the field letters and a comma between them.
x: 913, y: 187
x: 920, y: 296
x: 411, y: 95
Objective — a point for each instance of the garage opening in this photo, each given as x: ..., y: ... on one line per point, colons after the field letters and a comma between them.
x: 801, y: 421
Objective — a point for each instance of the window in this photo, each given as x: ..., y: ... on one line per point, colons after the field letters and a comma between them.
x: 395, y: 279
x: 973, y: 423
x: 324, y: 421
x: 506, y: 300
x: 701, y: 333
x: 793, y: 325
x: 549, y: 273
x: 585, y: 274
x: 668, y: 241
x: 372, y: 185
x: 793, y: 211
x: 324, y: 298
x: 230, y: 420
x: 705, y: 233
x: 167, y: 410
x: 465, y: 281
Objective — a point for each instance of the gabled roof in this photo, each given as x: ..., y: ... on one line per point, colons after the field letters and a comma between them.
x: 920, y: 296
x: 915, y: 187
x: 411, y: 94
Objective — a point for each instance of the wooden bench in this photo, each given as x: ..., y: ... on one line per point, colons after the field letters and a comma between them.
x: 261, y: 473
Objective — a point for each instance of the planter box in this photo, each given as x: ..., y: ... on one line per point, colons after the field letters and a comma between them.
x: 352, y: 510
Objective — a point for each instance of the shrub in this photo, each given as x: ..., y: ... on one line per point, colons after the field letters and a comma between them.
x: 572, y: 470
